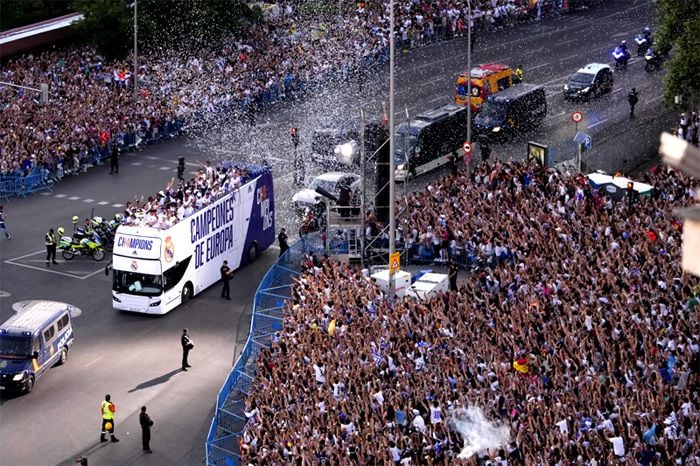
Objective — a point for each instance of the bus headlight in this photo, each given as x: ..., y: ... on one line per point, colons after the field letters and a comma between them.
x: 566, y: 87
x: 18, y: 377
x: 496, y: 129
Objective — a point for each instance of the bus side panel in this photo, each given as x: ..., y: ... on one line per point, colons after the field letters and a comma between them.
x: 261, y: 227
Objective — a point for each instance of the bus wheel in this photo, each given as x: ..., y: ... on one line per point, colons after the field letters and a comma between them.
x: 252, y: 253
x: 186, y: 293
x: 30, y: 384
x: 64, y: 357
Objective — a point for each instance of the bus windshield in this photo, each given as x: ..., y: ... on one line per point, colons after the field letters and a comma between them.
x: 405, y: 144
x: 15, y: 346
x: 495, y: 111
x: 137, y: 283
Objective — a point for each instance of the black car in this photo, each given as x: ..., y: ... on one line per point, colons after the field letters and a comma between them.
x: 590, y: 81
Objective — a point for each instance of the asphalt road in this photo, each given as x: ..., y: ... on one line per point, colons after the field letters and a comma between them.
x: 136, y: 358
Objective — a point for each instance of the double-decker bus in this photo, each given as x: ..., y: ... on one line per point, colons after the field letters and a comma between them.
x: 155, y: 270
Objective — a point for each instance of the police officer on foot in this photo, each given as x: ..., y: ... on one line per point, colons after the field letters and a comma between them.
x: 282, y: 238
x: 146, y: 423
x: 50, y: 247
x: 187, y: 345
x: 114, y: 160
x: 108, y: 410
x: 632, y: 98
x: 226, y: 274
x: 518, y: 75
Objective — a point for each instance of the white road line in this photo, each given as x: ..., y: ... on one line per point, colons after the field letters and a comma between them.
x: 150, y: 157
x: 117, y: 205
x: 555, y: 80
x: 136, y: 164
x: 88, y: 200
x: 568, y: 57
x: 530, y: 68
x: 567, y: 41
x: 102, y: 203
x: 26, y: 255
x: 149, y: 329
x: 93, y: 362
x: 617, y: 90
x: 597, y: 123
x: 45, y: 194
x: 621, y: 34
x: 442, y: 97
x: 74, y: 198
x: 551, y: 117
x: 43, y: 269
x: 59, y: 196
x: 165, y: 168
x: 654, y: 99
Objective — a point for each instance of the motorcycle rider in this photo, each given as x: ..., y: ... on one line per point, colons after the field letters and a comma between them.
x: 623, y: 47
x: 647, y: 34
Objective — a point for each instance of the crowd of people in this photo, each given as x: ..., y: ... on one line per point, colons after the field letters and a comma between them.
x: 181, y: 199
x: 580, y: 336
x: 689, y: 128
x: 91, y: 104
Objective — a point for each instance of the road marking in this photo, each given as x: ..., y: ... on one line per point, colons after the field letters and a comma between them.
x: 620, y: 34
x: 597, y: 123
x: 567, y: 41
x: 93, y: 362
x: 102, y: 203
x: 44, y: 269
x: 150, y: 157
x: 530, y: 68
x: 165, y: 168
x: 617, y: 90
x: 59, y: 196
x: 74, y: 198
x: 149, y: 329
x: 117, y: 205
x: 555, y: 80
x: 88, y: 200
x: 136, y: 164
x: 5, y: 294
x: 654, y: 99
x: 568, y: 57
x: 442, y: 97
x: 45, y: 194
x: 554, y: 116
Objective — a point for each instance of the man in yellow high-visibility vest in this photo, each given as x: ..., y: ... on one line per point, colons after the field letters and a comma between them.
x: 108, y: 410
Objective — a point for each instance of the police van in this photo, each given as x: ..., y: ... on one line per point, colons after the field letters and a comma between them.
x: 514, y: 110
x: 33, y: 340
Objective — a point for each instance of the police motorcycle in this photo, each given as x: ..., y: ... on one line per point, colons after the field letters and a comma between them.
x: 105, y: 230
x: 644, y: 41
x: 621, y: 55
x: 80, y: 244
x: 653, y: 60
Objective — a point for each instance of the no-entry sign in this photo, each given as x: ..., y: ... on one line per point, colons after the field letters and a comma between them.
x: 467, y: 147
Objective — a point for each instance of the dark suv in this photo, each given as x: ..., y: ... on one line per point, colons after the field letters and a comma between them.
x: 590, y: 81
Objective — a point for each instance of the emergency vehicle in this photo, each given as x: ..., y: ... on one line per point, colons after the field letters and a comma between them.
x: 33, y: 340
x: 487, y: 79
x: 155, y: 270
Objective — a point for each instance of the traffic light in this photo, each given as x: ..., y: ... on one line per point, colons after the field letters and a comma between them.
x: 295, y: 136
x: 180, y: 168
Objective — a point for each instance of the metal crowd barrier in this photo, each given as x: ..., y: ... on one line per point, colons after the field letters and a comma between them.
x: 226, y: 429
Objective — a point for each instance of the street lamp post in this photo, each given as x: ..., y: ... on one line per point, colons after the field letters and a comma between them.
x: 469, y: 86
x: 392, y: 192
x: 136, y: 52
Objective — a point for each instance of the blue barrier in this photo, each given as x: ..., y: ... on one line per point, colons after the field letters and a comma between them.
x: 226, y: 429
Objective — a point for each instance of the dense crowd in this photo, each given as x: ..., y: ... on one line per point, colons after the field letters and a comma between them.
x: 92, y: 106
x: 688, y: 128
x: 181, y: 199
x: 581, y: 336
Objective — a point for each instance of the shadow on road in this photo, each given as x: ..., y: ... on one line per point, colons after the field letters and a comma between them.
x: 157, y: 381
x: 86, y: 453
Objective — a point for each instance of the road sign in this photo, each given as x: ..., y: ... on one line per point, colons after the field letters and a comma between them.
x: 395, y: 262
x: 577, y: 117
x: 467, y: 147
x: 584, y: 140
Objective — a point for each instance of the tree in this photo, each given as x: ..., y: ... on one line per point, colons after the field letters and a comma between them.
x: 106, y: 24
x: 679, y: 27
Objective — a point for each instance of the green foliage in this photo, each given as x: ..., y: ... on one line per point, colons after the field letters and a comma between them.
x: 161, y: 23
x: 106, y: 25
x: 679, y: 26
x: 16, y: 13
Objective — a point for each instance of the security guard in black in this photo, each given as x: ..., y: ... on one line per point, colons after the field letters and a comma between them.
x: 50, y: 248
x: 226, y: 274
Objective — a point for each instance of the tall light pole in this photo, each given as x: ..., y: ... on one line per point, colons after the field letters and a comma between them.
x: 136, y: 50
x: 469, y: 86
x: 392, y: 192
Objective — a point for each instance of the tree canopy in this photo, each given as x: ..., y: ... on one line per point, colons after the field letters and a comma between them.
x: 679, y: 26
x: 161, y: 23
